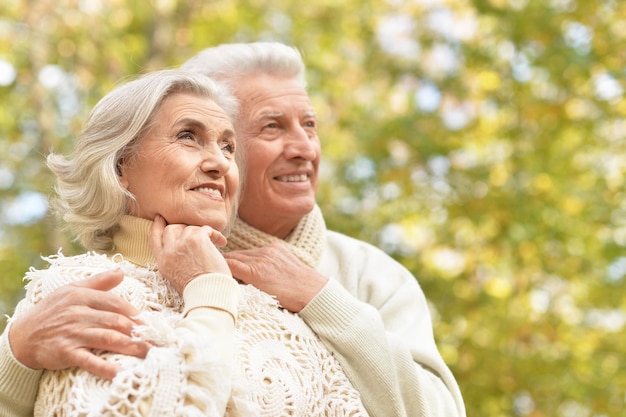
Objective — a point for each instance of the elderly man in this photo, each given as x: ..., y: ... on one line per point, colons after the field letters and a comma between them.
x: 365, y: 307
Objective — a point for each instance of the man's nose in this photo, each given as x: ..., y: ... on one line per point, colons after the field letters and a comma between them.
x: 300, y: 145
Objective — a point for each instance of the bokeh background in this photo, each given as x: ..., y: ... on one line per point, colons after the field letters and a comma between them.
x: 481, y: 143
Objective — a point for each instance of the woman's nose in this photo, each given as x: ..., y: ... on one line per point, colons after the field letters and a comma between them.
x: 215, y: 161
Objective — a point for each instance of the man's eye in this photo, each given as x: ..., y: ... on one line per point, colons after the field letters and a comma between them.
x: 272, y: 125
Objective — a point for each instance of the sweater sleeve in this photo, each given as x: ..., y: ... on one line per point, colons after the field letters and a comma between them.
x: 211, y: 308
x: 18, y: 383
x: 189, y: 372
x: 373, y: 315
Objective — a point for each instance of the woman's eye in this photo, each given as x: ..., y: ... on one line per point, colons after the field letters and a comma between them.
x: 186, y: 135
x: 228, y: 148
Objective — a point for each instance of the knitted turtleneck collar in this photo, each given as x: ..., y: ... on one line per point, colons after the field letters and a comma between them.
x: 306, y: 241
x: 132, y: 240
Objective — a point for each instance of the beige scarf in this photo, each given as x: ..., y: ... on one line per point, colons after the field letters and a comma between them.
x: 306, y: 241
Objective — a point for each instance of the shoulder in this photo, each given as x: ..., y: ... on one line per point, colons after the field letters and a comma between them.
x: 341, y: 240
x: 353, y: 261
x: 63, y: 270
x: 345, y: 245
x: 66, y: 269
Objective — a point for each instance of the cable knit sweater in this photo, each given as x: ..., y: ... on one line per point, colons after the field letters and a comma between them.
x: 281, y: 366
x: 371, y: 314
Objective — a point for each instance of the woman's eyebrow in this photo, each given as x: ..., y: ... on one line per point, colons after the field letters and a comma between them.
x: 227, y: 134
x: 191, y: 123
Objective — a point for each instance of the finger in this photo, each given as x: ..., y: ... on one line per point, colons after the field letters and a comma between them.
x: 113, y: 341
x: 100, y: 298
x: 216, y: 237
x: 102, y: 281
x: 156, y: 235
x: 109, y: 316
x: 101, y: 301
x: 241, y: 256
x: 94, y: 364
x: 239, y: 269
x: 173, y: 232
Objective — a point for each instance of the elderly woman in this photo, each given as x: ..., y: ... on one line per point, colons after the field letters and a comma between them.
x: 150, y: 190
x: 161, y: 148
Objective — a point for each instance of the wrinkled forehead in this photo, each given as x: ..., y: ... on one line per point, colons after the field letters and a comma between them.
x: 263, y: 95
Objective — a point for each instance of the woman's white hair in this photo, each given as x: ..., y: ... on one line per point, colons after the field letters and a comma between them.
x: 91, y: 199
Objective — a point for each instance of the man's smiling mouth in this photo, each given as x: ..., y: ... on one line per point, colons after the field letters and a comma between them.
x: 293, y: 178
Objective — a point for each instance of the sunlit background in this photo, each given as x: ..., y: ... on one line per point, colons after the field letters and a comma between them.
x: 481, y: 143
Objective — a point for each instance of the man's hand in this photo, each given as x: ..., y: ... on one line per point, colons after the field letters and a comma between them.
x: 61, y: 331
x: 275, y: 270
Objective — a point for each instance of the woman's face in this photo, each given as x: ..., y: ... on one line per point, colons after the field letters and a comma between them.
x: 184, y: 168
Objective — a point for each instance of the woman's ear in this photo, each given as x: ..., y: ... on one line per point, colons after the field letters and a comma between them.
x: 119, y: 169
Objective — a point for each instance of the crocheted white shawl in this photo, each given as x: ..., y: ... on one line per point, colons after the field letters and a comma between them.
x: 283, y: 367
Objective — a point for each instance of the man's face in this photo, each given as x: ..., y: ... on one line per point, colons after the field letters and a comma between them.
x: 277, y: 129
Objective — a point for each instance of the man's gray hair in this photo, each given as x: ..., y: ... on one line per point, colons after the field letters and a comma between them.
x: 229, y: 62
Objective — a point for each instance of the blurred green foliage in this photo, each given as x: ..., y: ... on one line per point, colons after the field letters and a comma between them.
x: 481, y: 143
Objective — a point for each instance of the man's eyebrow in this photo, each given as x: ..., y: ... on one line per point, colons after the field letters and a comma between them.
x: 271, y: 115
x: 274, y: 115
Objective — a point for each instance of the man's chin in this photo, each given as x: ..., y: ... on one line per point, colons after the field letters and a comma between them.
x: 280, y: 208
x: 301, y: 207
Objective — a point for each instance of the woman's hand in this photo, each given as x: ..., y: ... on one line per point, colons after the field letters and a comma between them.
x: 185, y: 252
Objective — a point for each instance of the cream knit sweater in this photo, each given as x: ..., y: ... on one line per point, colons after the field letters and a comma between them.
x: 280, y: 368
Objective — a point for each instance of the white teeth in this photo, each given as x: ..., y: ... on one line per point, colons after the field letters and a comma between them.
x: 209, y: 191
x: 294, y: 178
